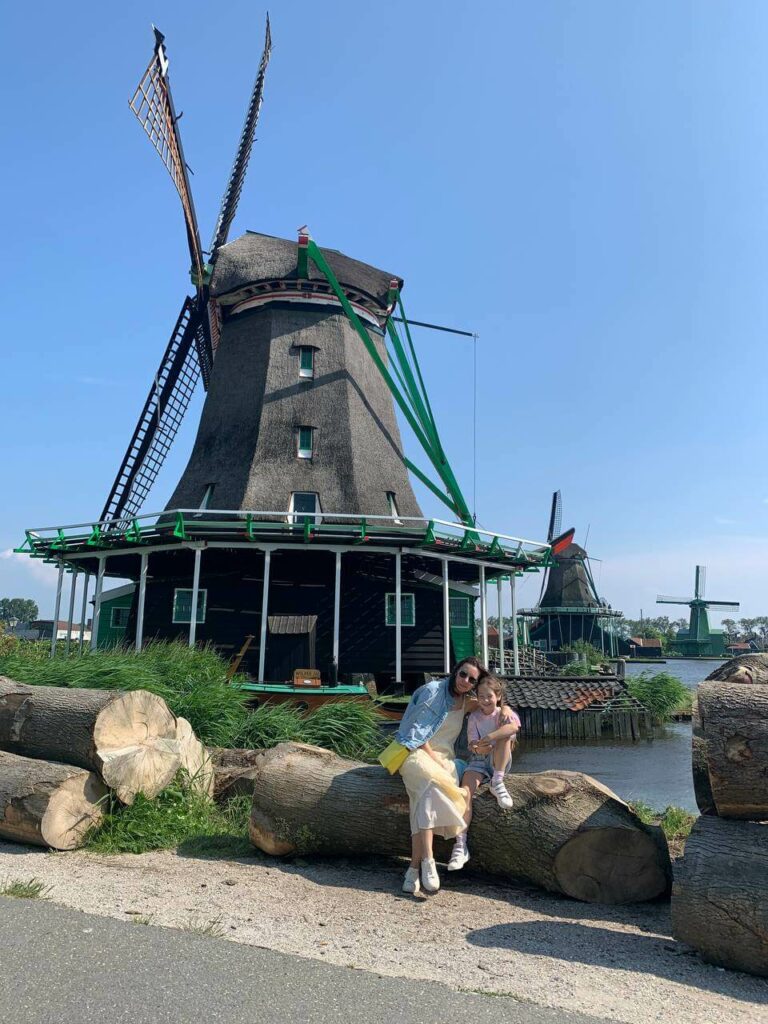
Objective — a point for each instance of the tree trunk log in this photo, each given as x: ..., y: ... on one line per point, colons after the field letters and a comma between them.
x: 567, y: 832
x: 48, y: 804
x: 234, y: 771
x: 720, y: 895
x: 747, y: 668
x: 734, y: 732
x: 195, y: 759
x: 129, y: 739
x: 701, y: 787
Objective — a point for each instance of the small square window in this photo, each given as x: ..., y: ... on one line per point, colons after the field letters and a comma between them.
x: 182, y: 605
x: 119, y: 618
x: 407, y: 609
x: 305, y: 506
x: 459, y: 612
x: 306, y: 362
x: 305, y: 439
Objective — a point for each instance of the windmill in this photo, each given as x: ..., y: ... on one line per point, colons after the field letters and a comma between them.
x: 569, y: 608
x: 294, y: 524
x: 699, y: 641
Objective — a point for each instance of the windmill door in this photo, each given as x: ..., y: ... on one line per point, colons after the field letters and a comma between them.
x: 290, y: 645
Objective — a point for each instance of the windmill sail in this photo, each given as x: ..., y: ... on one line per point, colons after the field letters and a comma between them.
x: 240, y: 166
x: 160, y: 419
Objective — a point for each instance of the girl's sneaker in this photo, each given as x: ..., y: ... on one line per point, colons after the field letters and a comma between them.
x: 459, y: 855
x: 411, y: 880
x: 429, y: 876
x: 503, y: 799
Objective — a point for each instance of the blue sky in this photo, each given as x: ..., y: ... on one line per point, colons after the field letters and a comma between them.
x: 583, y: 184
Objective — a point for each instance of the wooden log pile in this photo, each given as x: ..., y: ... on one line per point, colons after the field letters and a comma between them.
x: 63, y: 749
x: 567, y: 833
x: 720, y: 894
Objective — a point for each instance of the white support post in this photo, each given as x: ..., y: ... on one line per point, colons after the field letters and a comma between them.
x: 264, y: 608
x: 83, y: 612
x: 57, y: 608
x: 336, y: 613
x: 398, y: 618
x: 484, y: 614
x: 502, y: 665
x: 195, y: 593
x: 515, y: 649
x: 97, y: 602
x: 71, y: 614
x: 446, y: 618
x: 142, y: 598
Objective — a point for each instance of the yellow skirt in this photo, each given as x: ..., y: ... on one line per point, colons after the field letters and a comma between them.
x: 436, y: 800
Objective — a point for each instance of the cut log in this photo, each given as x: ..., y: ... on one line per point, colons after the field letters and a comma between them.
x: 129, y: 739
x: 195, y: 759
x: 733, y: 727
x: 747, y: 668
x: 567, y: 832
x: 720, y: 895
x: 234, y: 771
x: 48, y: 804
x: 701, y: 786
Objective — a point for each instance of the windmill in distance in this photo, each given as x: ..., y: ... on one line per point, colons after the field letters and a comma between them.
x: 699, y: 641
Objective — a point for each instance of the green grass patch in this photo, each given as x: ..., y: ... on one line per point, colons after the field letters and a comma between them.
x: 676, y: 823
x: 32, y: 889
x: 662, y: 693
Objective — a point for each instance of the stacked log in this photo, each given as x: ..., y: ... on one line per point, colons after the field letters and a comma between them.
x: 568, y: 833
x: 63, y: 749
x: 720, y: 895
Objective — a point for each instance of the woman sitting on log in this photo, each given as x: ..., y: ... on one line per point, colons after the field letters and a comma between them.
x: 430, y: 769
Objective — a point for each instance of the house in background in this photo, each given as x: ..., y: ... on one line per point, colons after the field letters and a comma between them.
x: 113, y: 619
x: 42, y: 629
x: 642, y: 647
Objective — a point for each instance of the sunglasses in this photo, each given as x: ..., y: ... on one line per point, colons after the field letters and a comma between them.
x: 465, y: 675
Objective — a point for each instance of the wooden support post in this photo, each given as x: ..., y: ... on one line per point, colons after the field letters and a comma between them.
x: 501, y: 624
x: 57, y: 607
x: 336, y: 615
x: 484, y: 614
x: 398, y: 618
x: 97, y: 602
x: 446, y: 620
x: 71, y: 614
x: 141, y: 601
x: 264, y: 609
x: 515, y: 645
x: 83, y: 612
x: 195, y: 593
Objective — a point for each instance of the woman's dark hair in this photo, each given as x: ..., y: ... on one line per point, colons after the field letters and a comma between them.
x: 473, y: 662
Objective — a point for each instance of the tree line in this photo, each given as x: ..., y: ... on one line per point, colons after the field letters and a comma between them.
x: 23, y: 609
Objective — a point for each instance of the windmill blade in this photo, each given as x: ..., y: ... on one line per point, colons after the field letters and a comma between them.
x: 666, y: 599
x: 555, y: 516
x: 240, y: 166
x: 721, y: 606
x: 701, y: 581
x: 152, y: 103
x: 160, y: 419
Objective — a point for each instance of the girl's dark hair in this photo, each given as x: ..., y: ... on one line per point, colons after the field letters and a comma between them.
x: 473, y: 662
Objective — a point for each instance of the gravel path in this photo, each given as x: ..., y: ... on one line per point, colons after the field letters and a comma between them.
x: 620, y: 964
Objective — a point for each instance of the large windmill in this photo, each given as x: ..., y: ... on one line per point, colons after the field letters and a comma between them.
x: 699, y: 641
x: 294, y: 524
x: 569, y: 608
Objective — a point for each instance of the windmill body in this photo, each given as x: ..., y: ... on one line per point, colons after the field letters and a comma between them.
x: 699, y: 640
x: 293, y: 538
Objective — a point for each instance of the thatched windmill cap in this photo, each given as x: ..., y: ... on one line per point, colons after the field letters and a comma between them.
x: 254, y: 263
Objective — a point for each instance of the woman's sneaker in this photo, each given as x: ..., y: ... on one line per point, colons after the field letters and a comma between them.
x: 459, y: 856
x: 429, y: 876
x: 503, y: 799
x: 411, y: 880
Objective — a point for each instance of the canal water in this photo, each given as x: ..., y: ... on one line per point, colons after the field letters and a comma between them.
x: 656, y: 771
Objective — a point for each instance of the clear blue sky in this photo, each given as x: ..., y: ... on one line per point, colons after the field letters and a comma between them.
x: 585, y: 184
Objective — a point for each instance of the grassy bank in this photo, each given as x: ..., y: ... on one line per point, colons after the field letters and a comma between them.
x: 675, y: 823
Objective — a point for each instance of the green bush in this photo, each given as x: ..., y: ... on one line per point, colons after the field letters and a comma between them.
x: 662, y: 693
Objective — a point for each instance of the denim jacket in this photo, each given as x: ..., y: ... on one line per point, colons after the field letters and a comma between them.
x: 426, y: 712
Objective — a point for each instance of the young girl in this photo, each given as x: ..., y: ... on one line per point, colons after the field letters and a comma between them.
x: 490, y: 744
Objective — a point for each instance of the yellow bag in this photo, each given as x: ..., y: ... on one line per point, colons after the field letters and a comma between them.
x: 393, y: 756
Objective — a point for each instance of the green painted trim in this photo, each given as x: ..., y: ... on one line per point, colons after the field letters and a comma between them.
x: 469, y: 541
x: 429, y: 534
x: 96, y: 536
x: 179, y: 529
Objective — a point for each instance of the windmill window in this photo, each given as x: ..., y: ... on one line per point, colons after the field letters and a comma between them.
x: 304, y: 440
x: 304, y: 507
x: 119, y: 618
x: 306, y: 362
x: 207, y: 495
x: 458, y: 612
x: 393, y: 507
x: 407, y: 609
x: 182, y: 605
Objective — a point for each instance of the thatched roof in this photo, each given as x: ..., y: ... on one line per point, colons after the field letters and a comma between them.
x: 254, y: 258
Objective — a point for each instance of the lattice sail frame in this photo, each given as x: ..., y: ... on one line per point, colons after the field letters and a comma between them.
x: 153, y: 106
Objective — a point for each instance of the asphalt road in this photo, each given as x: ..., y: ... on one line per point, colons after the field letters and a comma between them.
x: 59, y: 965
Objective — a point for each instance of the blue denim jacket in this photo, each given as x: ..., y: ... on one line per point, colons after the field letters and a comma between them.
x: 426, y: 712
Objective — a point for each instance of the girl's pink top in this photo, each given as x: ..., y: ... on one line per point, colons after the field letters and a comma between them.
x: 479, y: 725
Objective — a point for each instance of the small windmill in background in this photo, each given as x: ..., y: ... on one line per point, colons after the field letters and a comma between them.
x: 699, y: 641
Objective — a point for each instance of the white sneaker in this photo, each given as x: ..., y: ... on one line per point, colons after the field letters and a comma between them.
x: 429, y: 876
x: 503, y: 799
x: 459, y: 857
x: 411, y: 880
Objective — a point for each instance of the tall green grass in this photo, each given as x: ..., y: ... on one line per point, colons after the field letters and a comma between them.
x: 662, y: 693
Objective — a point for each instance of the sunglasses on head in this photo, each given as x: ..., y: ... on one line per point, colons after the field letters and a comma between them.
x: 465, y: 675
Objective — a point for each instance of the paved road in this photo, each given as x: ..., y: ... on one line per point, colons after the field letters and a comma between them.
x: 59, y: 965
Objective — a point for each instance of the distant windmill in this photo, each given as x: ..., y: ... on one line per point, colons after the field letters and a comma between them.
x: 699, y: 641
